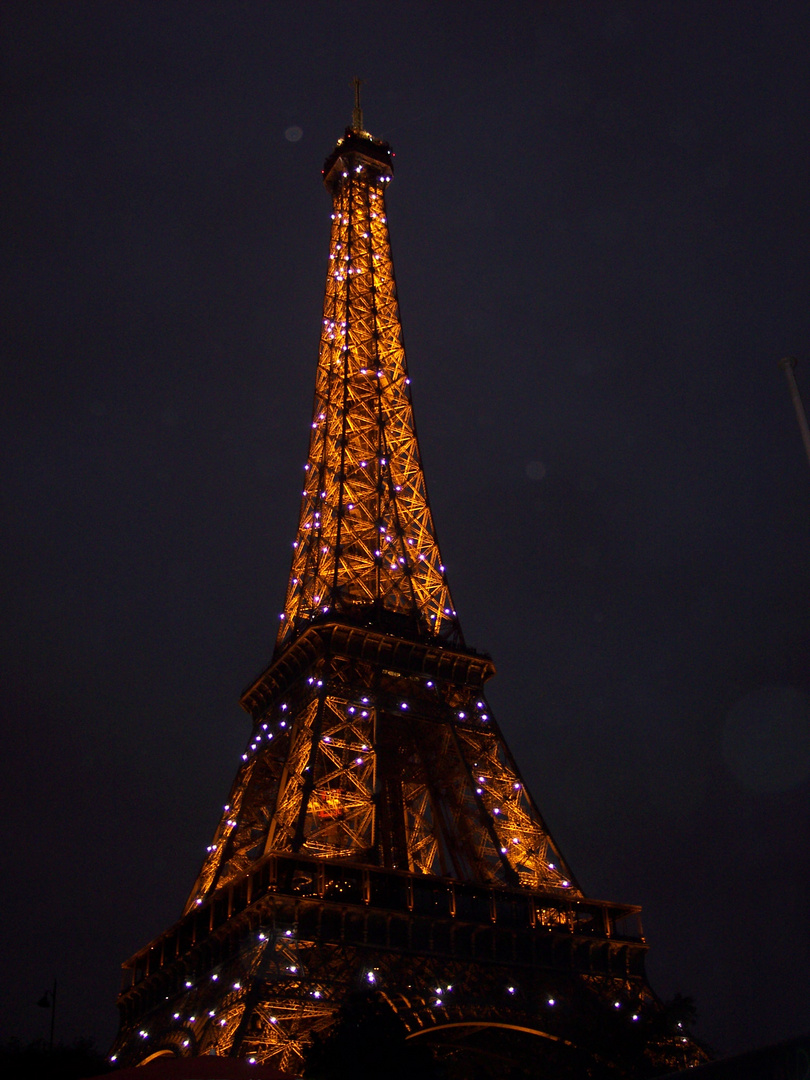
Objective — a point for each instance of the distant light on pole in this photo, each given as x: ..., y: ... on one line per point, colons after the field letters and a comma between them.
x: 48, y: 1001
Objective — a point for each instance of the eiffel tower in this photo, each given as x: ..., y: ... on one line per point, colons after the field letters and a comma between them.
x: 378, y: 833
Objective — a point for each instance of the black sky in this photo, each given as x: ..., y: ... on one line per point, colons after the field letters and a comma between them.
x: 600, y: 230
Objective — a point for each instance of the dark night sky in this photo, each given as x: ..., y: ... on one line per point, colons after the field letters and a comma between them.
x: 600, y: 229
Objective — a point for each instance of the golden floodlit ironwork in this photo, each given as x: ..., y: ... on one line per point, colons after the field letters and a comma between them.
x: 378, y: 832
x: 366, y: 534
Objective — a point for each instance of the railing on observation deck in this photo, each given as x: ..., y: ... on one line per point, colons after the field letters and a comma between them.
x: 300, y: 898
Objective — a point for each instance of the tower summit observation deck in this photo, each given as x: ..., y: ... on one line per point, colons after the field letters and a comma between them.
x: 378, y: 833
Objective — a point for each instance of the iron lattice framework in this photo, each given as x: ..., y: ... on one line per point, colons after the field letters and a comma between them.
x: 378, y: 831
x: 366, y: 535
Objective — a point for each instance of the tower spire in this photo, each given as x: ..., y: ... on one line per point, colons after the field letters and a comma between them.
x: 366, y: 547
x: 357, y: 112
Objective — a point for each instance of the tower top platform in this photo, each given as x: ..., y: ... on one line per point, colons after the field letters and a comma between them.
x: 357, y: 148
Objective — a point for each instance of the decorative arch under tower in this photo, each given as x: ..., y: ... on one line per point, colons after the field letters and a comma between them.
x: 378, y: 832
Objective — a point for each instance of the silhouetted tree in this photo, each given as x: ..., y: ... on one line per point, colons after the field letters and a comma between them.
x: 368, y: 1041
x: 36, y: 1061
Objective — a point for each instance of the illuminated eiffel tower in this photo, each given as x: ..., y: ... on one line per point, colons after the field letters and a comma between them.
x: 379, y: 833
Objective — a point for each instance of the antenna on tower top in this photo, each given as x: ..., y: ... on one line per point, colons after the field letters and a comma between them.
x: 357, y: 113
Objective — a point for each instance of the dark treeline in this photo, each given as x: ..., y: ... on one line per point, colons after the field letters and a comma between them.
x: 39, y: 1061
